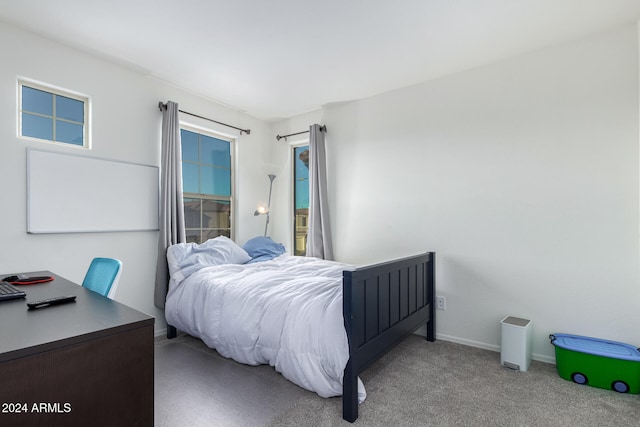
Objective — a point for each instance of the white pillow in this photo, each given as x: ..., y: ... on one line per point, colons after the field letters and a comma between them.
x: 184, y: 259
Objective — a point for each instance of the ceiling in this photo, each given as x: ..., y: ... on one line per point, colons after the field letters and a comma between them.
x: 280, y: 58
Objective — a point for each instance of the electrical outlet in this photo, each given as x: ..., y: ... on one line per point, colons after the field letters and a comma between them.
x: 441, y: 303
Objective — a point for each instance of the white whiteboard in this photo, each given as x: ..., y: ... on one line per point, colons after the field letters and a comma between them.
x: 73, y: 194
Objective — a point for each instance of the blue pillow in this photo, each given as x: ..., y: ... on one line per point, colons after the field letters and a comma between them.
x: 263, y: 249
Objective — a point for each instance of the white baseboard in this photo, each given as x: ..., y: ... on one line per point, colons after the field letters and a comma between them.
x: 470, y: 343
x: 443, y: 337
x: 496, y: 348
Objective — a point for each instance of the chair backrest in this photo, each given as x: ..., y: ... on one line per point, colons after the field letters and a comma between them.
x: 103, y: 276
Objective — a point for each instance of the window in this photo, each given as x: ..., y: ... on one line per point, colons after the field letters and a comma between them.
x: 207, y: 185
x: 52, y: 115
x: 301, y: 198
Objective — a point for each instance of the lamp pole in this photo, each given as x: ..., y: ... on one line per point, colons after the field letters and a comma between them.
x: 266, y: 225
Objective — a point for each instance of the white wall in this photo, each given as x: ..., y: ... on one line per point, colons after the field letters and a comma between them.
x: 125, y: 126
x: 522, y: 176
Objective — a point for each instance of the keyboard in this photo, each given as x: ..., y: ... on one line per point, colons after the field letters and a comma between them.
x: 8, y: 291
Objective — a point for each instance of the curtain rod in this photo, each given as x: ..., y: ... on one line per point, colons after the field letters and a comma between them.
x: 323, y: 128
x: 163, y: 106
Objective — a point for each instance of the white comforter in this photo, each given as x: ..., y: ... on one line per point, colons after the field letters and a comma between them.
x: 286, y: 312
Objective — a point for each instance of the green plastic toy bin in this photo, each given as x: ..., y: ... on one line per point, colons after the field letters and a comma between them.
x: 597, y: 362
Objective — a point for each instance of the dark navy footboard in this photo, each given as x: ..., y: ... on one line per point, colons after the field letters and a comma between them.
x: 382, y: 304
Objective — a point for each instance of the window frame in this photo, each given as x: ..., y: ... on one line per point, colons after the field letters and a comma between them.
x: 55, y: 91
x: 230, y: 199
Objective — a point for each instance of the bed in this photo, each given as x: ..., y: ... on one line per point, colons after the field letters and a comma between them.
x: 319, y: 323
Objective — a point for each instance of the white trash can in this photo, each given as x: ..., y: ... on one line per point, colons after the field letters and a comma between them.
x: 515, y: 350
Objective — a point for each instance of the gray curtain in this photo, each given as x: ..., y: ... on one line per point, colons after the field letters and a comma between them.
x: 172, y: 229
x: 319, y: 242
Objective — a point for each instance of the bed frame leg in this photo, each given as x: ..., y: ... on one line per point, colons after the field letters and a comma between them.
x: 431, y: 336
x: 431, y: 290
x: 172, y: 332
x: 349, y: 394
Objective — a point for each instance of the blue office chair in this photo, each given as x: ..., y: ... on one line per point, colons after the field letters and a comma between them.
x: 103, y: 276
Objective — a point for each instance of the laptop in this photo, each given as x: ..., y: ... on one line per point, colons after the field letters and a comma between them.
x: 8, y: 291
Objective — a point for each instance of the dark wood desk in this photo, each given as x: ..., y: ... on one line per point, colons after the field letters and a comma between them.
x: 88, y: 362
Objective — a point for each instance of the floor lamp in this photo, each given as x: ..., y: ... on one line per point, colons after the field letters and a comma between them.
x: 264, y: 209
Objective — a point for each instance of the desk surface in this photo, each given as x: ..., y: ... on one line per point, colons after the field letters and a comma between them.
x: 26, y: 332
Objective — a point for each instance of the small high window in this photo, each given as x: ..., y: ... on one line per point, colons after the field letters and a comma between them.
x: 52, y: 115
